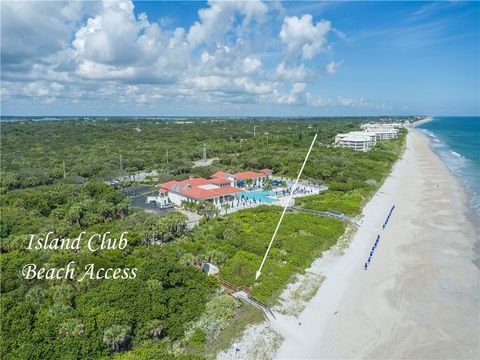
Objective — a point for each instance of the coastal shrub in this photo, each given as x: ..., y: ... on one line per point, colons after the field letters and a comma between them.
x: 168, y: 293
x: 219, y: 311
x: 149, y: 350
x: 198, y: 337
x: 301, y: 238
x: 349, y: 202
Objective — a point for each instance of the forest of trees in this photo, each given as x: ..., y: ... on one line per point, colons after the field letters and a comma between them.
x: 153, y: 316
x: 33, y: 152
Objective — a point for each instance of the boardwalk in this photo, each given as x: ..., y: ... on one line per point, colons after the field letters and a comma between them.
x: 334, y: 214
x: 243, y: 293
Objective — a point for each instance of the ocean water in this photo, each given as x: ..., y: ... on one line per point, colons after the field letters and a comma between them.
x: 457, y: 142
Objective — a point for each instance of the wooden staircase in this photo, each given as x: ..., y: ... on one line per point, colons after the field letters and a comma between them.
x: 243, y: 293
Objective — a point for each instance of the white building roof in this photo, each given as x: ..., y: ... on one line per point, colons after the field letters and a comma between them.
x: 382, y: 130
x: 356, y: 137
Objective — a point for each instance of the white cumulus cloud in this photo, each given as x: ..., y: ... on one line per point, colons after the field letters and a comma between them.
x: 219, y: 18
x: 104, y: 51
x: 332, y: 67
x: 302, y: 37
x: 114, y: 44
x: 251, y: 65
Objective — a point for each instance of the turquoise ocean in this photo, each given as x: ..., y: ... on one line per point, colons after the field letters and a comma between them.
x: 456, y: 140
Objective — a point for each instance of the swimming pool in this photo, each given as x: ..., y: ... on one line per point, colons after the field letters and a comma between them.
x: 259, y: 196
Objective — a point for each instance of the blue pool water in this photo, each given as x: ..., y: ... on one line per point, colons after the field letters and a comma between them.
x: 258, y: 195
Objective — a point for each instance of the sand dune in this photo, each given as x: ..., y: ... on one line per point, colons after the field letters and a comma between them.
x: 419, y: 299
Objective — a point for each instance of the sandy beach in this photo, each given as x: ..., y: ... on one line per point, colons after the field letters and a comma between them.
x: 419, y: 299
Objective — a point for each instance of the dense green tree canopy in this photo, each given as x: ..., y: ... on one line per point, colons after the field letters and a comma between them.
x: 147, y: 317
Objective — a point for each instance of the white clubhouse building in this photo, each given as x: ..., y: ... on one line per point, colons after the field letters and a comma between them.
x: 220, y: 188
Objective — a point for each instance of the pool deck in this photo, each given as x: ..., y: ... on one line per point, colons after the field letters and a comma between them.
x: 304, y: 189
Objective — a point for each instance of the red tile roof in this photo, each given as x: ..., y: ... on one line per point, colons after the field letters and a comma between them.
x: 197, y: 181
x: 194, y: 181
x: 201, y: 194
x: 219, y: 174
x: 220, y: 181
x: 169, y: 184
x: 248, y: 175
x: 265, y: 171
x: 190, y: 188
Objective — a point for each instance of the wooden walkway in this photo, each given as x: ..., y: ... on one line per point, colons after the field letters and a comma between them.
x: 243, y: 293
x: 340, y: 216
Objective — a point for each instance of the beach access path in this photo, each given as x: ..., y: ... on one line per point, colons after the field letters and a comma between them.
x: 419, y: 298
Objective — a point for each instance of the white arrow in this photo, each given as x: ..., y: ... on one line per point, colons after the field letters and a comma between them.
x: 259, y: 271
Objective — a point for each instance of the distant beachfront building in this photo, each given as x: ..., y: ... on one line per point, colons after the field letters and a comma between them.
x: 221, y: 187
x: 358, y: 141
x: 366, y: 139
x: 373, y: 136
x: 384, y: 134
x: 383, y: 131
x: 377, y: 126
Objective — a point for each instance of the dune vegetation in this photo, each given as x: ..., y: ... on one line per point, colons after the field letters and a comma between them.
x: 161, y: 313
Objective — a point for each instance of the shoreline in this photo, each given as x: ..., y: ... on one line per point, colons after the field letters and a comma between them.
x: 421, y: 122
x: 472, y: 194
x: 387, y: 311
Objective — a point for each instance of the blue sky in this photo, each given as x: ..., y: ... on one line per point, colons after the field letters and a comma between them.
x: 240, y: 58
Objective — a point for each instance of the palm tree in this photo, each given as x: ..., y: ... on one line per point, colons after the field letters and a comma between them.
x: 71, y: 327
x: 268, y: 184
x: 13, y: 242
x: 225, y: 207
x: 199, y: 207
x: 116, y: 336
x: 216, y: 211
x: 75, y: 214
x: 209, y: 211
x: 156, y: 329
x: 36, y: 294
x: 63, y: 294
x: 187, y: 259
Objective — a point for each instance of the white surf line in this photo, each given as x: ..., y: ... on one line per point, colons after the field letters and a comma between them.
x: 259, y: 271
